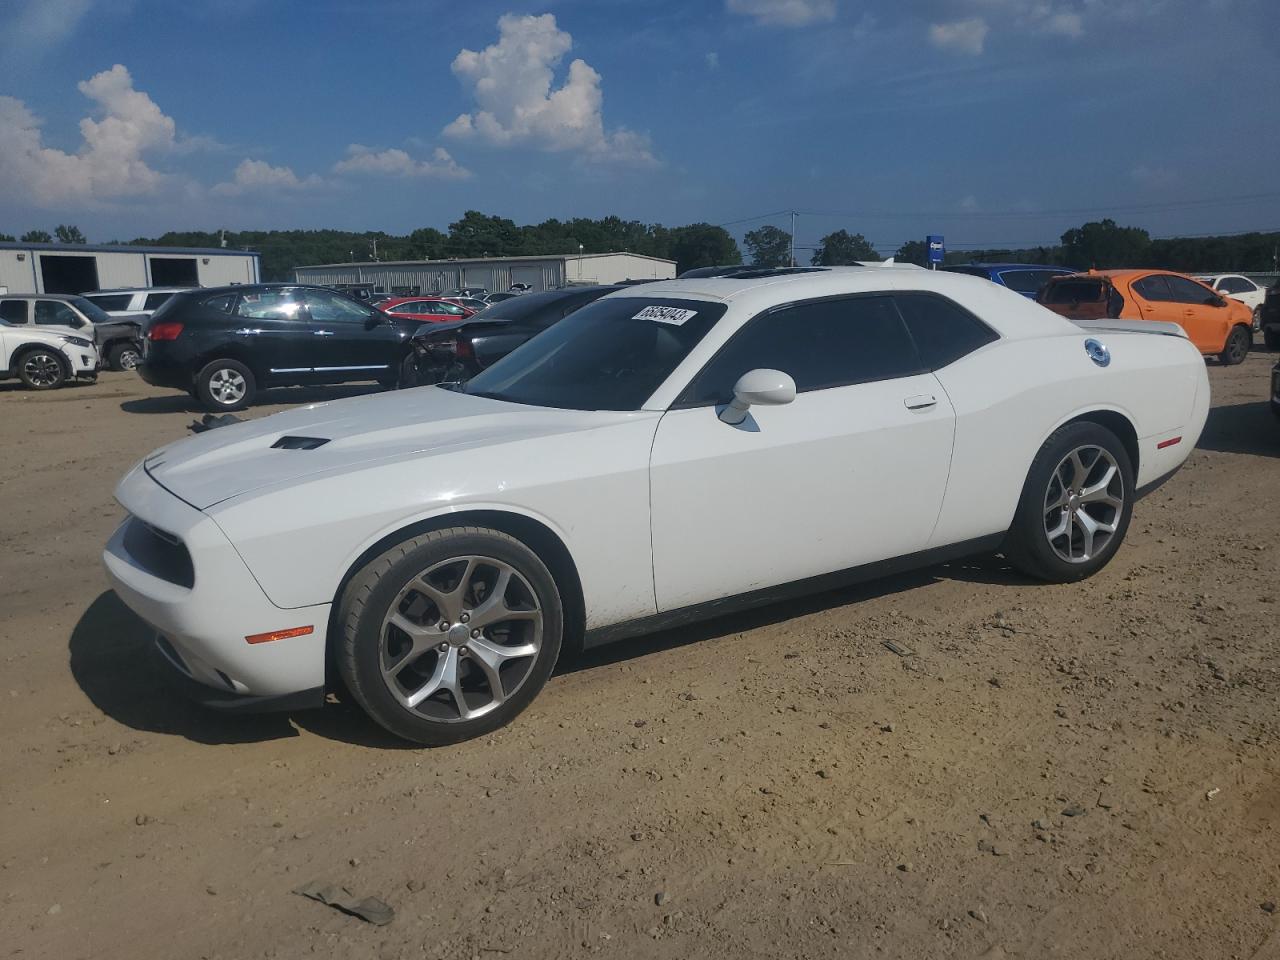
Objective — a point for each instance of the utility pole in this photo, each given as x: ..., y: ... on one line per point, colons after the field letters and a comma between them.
x: 793, y: 238
x: 374, y: 243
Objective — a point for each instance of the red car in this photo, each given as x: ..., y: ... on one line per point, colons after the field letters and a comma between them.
x: 427, y: 309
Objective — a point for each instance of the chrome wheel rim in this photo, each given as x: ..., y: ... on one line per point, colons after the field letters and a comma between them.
x: 460, y: 639
x: 1237, y: 347
x: 129, y: 360
x: 1083, y: 503
x: 227, y: 386
x: 42, y: 369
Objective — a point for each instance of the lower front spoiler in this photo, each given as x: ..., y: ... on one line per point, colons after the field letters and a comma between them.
x: 227, y: 700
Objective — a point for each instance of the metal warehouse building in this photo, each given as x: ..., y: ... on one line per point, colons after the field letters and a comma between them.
x: 79, y: 268
x: 493, y: 274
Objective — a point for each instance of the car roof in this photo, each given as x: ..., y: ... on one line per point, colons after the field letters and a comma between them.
x: 94, y: 293
x: 64, y: 297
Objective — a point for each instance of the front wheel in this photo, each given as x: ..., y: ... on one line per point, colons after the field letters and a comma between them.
x: 42, y: 370
x: 225, y: 385
x: 1075, y: 505
x: 1239, y: 340
x: 450, y: 635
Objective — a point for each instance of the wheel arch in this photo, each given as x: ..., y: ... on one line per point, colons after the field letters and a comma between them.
x: 1115, y: 421
x: 26, y: 348
x: 530, y: 531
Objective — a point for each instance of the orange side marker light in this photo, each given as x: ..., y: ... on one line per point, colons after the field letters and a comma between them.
x: 280, y: 634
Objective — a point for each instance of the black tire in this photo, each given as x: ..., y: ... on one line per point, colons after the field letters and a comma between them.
x: 1271, y: 338
x: 1028, y: 546
x: 219, y: 390
x: 125, y: 355
x: 365, y: 641
x: 1239, y: 340
x: 42, y: 369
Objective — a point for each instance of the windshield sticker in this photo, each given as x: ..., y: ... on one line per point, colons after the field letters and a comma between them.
x: 672, y: 315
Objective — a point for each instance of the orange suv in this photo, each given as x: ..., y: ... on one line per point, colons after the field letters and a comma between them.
x: 1218, y: 326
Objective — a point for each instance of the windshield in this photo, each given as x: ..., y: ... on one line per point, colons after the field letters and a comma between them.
x: 91, y: 310
x: 610, y: 355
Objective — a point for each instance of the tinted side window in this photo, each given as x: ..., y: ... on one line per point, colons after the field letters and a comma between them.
x: 829, y: 343
x: 222, y: 304
x: 943, y: 330
x: 270, y: 305
x: 13, y: 311
x: 1188, y: 291
x: 55, y: 313
x: 328, y: 308
x: 1072, y: 291
x: 112, y: 301
x: 154, y: 301
x: 1026, y: 281
x: 1155, y: 289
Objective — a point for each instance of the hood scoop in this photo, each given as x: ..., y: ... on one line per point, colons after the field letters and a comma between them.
x: 299, y: 443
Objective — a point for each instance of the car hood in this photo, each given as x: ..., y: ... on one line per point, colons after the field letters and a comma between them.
x: 231, y: 461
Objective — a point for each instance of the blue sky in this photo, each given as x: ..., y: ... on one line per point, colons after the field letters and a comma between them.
x: 991, y: 121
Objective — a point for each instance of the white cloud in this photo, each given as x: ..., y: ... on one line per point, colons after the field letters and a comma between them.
x: 963, y: 36
x: 512, y: 83
x: 398, y: 163
x: 713, y: 60
x: 109, y: 163
x: 254, y: 176
x: 785, y: 13
x: 969, y: 204
x: 38, y: 24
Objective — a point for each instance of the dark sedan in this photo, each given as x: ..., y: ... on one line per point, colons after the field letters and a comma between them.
x: 460, y: 350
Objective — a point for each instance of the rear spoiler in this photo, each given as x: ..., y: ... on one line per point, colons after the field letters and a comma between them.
x: 1161, y: 327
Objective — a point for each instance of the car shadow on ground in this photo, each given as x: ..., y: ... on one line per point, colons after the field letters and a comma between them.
x: 184, y: 403
x: 114, y: 662
x: 1242, y: 428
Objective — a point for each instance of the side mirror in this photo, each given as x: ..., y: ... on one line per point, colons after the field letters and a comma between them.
x: 374, y: 319
x: 770, y: 388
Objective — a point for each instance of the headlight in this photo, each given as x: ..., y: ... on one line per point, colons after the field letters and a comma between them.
x: 77, y: 341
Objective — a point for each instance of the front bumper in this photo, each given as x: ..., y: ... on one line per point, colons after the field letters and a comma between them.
x: 174, y: 567
x: 83, y: 361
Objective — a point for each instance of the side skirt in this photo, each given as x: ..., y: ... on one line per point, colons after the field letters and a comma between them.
x: 787, y: 591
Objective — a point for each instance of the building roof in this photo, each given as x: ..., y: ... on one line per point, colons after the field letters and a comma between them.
x: 124, y: 248
x: 466, y: 260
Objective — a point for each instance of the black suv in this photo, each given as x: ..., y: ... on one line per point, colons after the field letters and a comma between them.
x: 461, y: 349
x: 223, y: 344
x: 1269, y: 317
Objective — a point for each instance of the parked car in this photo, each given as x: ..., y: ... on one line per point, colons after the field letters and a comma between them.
x: 132, y: 302
x: 426, y: 309
x: 45, y: 358
x: 458, y: 351
x: 1023, y: 278
x: 1275, y: 390
x: 498, y: 297
x: 671, y: 451
x: 1239, y: 288
x: 467, y: 292
x: 473, y: 304
x: 118, y: 339
x: 1270, y: 318
x: 1218, y: 326
x: 224, y: 344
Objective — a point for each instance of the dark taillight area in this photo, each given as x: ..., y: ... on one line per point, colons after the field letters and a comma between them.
x: 159, y: 553
x: 160, y: 332
x: 459, y: 347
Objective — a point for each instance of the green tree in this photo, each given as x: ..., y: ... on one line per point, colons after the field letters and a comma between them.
x: 769, y: 246
x: 699, y: 245
x: 480, y: 235
x: 6, y: 238
x: 913, y: 251
x: 842, y: 247
x: 426, y: 243
x: 68, y: 233
x: 37, y: 236
x: 1104, y: 244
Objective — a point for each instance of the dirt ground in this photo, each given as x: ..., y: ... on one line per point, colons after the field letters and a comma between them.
x: 1084, y: 771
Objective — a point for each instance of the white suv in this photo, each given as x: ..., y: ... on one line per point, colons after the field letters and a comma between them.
x: 126, y: 302
x: 1239, y: 288
x: 46, y: 358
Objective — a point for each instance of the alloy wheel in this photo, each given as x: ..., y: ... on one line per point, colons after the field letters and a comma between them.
x: 460, y: 639
x: 129, y: 359
x: 1083, y: 503
x: 227, y: 386
x: 42, y: 369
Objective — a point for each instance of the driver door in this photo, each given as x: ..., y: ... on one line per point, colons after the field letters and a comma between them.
x: 851, y: 472
x: 353, y: 341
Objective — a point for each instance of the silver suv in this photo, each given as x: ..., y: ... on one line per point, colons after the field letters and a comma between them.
x: 131, y: 302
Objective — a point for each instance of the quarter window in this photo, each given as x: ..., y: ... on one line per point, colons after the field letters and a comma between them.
x: 155, y: 301
x: 822, y: 344
x: 13, y: 312
x: 113, y: 301
x: 942, y: 329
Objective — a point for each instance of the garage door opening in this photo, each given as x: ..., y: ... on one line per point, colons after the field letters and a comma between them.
x: 68, y: 274
x: 174, y: 272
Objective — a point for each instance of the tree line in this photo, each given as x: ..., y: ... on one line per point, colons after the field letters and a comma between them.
x: 1101, y: 244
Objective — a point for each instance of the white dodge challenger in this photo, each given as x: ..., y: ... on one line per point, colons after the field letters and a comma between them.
x: 668, y: 452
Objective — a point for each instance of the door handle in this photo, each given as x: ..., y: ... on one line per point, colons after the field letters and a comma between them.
x: 247, y: 332
x: 323, y: 333
x: 921, y: 401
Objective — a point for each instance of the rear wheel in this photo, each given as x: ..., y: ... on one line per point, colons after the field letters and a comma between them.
x: 1075, y: 505
x: 450, y: 635
x: 42, y: 369
x: 225, y: 385
x: 124, y: 356
x: 1239, y: 340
